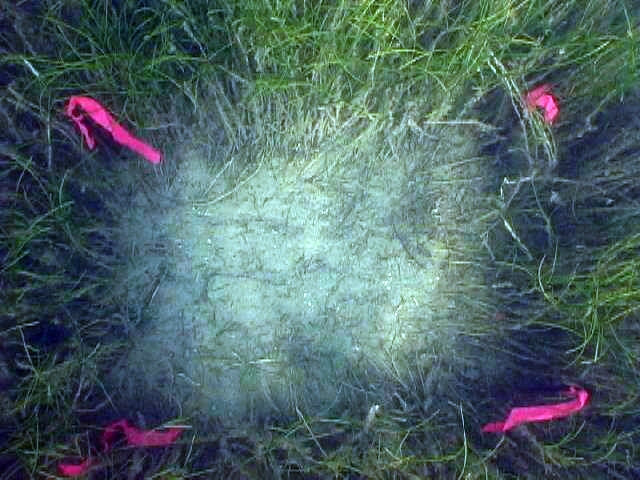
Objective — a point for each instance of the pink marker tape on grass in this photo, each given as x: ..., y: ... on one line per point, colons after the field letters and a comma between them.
x: 75, y: 469
x: 78, y: 107
x: 542, y: 413
x: 137, y: 437
x: 541, y: 97
x: 134, y: 436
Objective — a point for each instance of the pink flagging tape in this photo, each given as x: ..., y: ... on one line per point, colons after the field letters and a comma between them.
x: 101, y: 116
x: 137, y: 437
x: 541, y: 97
x: 542, y: 413
x: 75, y: 469
x: 134, y: 437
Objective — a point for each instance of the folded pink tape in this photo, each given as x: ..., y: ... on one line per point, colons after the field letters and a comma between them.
x: 542, y: 97
x: 137, y: 437
x: 134, y: 437
x: 101, y: 116
x: 75, y: 469
x: 542, y: 413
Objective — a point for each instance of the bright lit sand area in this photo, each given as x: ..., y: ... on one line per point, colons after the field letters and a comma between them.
x: 281, y: 281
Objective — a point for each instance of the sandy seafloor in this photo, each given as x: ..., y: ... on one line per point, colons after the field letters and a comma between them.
x: 300, y: 273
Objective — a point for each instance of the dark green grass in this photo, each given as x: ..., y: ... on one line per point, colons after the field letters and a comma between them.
x: 432, y: 61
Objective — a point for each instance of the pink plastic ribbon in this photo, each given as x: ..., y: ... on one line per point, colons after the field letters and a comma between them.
x: 541, y: 97
x: 134, y: 437
x: 75, y: 469
x: 542, y: 413
x: 101, y: 116
x: 137, y: 437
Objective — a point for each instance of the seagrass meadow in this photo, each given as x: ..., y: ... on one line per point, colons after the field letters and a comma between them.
x: 361, y: 244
